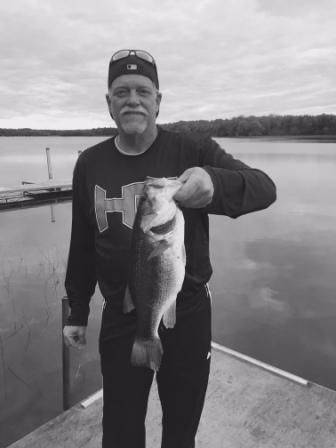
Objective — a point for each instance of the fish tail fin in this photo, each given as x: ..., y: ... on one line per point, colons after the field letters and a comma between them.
x: 147, y: 353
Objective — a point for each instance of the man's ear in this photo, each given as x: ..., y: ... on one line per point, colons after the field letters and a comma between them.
x: 108, y: 100
x: 158, y: 101
x: 158, y: 98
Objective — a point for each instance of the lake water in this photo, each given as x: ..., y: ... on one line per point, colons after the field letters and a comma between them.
x: 273, y: 285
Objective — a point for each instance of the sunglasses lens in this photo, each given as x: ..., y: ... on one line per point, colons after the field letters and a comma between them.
x: 120, y: 55
x: 145, y: 56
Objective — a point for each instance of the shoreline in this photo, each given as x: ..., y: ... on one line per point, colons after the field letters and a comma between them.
x: 309, y: 137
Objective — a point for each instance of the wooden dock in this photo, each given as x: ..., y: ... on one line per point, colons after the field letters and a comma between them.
x: 247, y: 406
x: 30, y: 192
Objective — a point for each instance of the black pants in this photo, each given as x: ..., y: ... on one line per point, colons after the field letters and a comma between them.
x: 182, y: 379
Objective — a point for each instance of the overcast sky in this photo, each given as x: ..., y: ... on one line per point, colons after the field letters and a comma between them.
x: 216, y: 58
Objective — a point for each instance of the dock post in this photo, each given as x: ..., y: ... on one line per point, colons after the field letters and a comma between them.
x: 65, y: 358
x: 52, y: 213
x: 50, y: 173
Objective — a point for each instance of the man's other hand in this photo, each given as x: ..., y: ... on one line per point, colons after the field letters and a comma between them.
x: 197, y: 189
x: 74, y: 336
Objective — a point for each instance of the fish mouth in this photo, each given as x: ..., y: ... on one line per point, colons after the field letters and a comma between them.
x: 154, y: 183
x: 158, y: 182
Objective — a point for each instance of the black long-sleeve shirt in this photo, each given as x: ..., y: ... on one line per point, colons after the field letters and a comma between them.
x: 106, y: 185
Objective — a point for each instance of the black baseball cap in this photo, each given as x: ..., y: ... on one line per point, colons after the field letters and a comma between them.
x: 132, y: 62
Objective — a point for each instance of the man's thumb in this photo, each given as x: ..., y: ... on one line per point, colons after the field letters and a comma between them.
x: 185, y: 175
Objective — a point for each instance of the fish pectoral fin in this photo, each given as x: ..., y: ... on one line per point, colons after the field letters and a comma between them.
x: 159, y: 248
x: 128, y: 304
x: 169, y: 317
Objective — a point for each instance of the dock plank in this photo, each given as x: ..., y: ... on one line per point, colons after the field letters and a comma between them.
x: 246, y: 407
x: 12, y: 197
x: 31, y: 187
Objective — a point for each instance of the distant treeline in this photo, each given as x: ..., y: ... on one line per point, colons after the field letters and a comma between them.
x: 27, y: 132
x: 252, y: 126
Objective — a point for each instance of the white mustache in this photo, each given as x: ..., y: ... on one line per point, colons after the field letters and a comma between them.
x: 133, y: 111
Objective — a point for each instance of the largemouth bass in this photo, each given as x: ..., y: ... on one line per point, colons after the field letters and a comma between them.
x: 157, y: 268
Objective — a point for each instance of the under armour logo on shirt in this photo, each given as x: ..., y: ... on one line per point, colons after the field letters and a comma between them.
x: 126, y: 205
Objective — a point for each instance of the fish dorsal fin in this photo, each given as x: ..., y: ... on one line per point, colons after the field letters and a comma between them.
x: 169, y: 317
x: 128, y: 304
x: 159, y: 248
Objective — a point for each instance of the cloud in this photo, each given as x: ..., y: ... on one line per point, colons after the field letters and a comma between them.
x: 300, y: 8
x: 216, y: 59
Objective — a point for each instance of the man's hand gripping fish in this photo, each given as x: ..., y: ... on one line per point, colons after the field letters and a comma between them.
x: 157, y: 268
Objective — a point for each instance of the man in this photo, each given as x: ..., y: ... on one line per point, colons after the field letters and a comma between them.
x: 107, y: 179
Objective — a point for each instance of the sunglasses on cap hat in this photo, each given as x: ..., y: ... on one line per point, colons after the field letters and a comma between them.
x: 141, y: 54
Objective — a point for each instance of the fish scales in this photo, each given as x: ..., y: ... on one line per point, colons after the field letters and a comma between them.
x: 157, y: 267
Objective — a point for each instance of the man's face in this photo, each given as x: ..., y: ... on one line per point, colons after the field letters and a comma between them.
x: 133, y: 103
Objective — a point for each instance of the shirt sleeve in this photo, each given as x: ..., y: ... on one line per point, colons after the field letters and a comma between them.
x: 80, y: 280
x: 238, y: 188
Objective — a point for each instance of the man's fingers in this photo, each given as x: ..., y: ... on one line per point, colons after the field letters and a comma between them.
x: 187, y: 189
x: 197, y: 188
x: 191, y: 194
x: 189, y: 186
x: 75, y: 341
x: 185, y: 175
x: 74, y: 336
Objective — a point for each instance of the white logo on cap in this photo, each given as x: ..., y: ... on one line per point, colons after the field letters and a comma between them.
x: 132, y: 66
